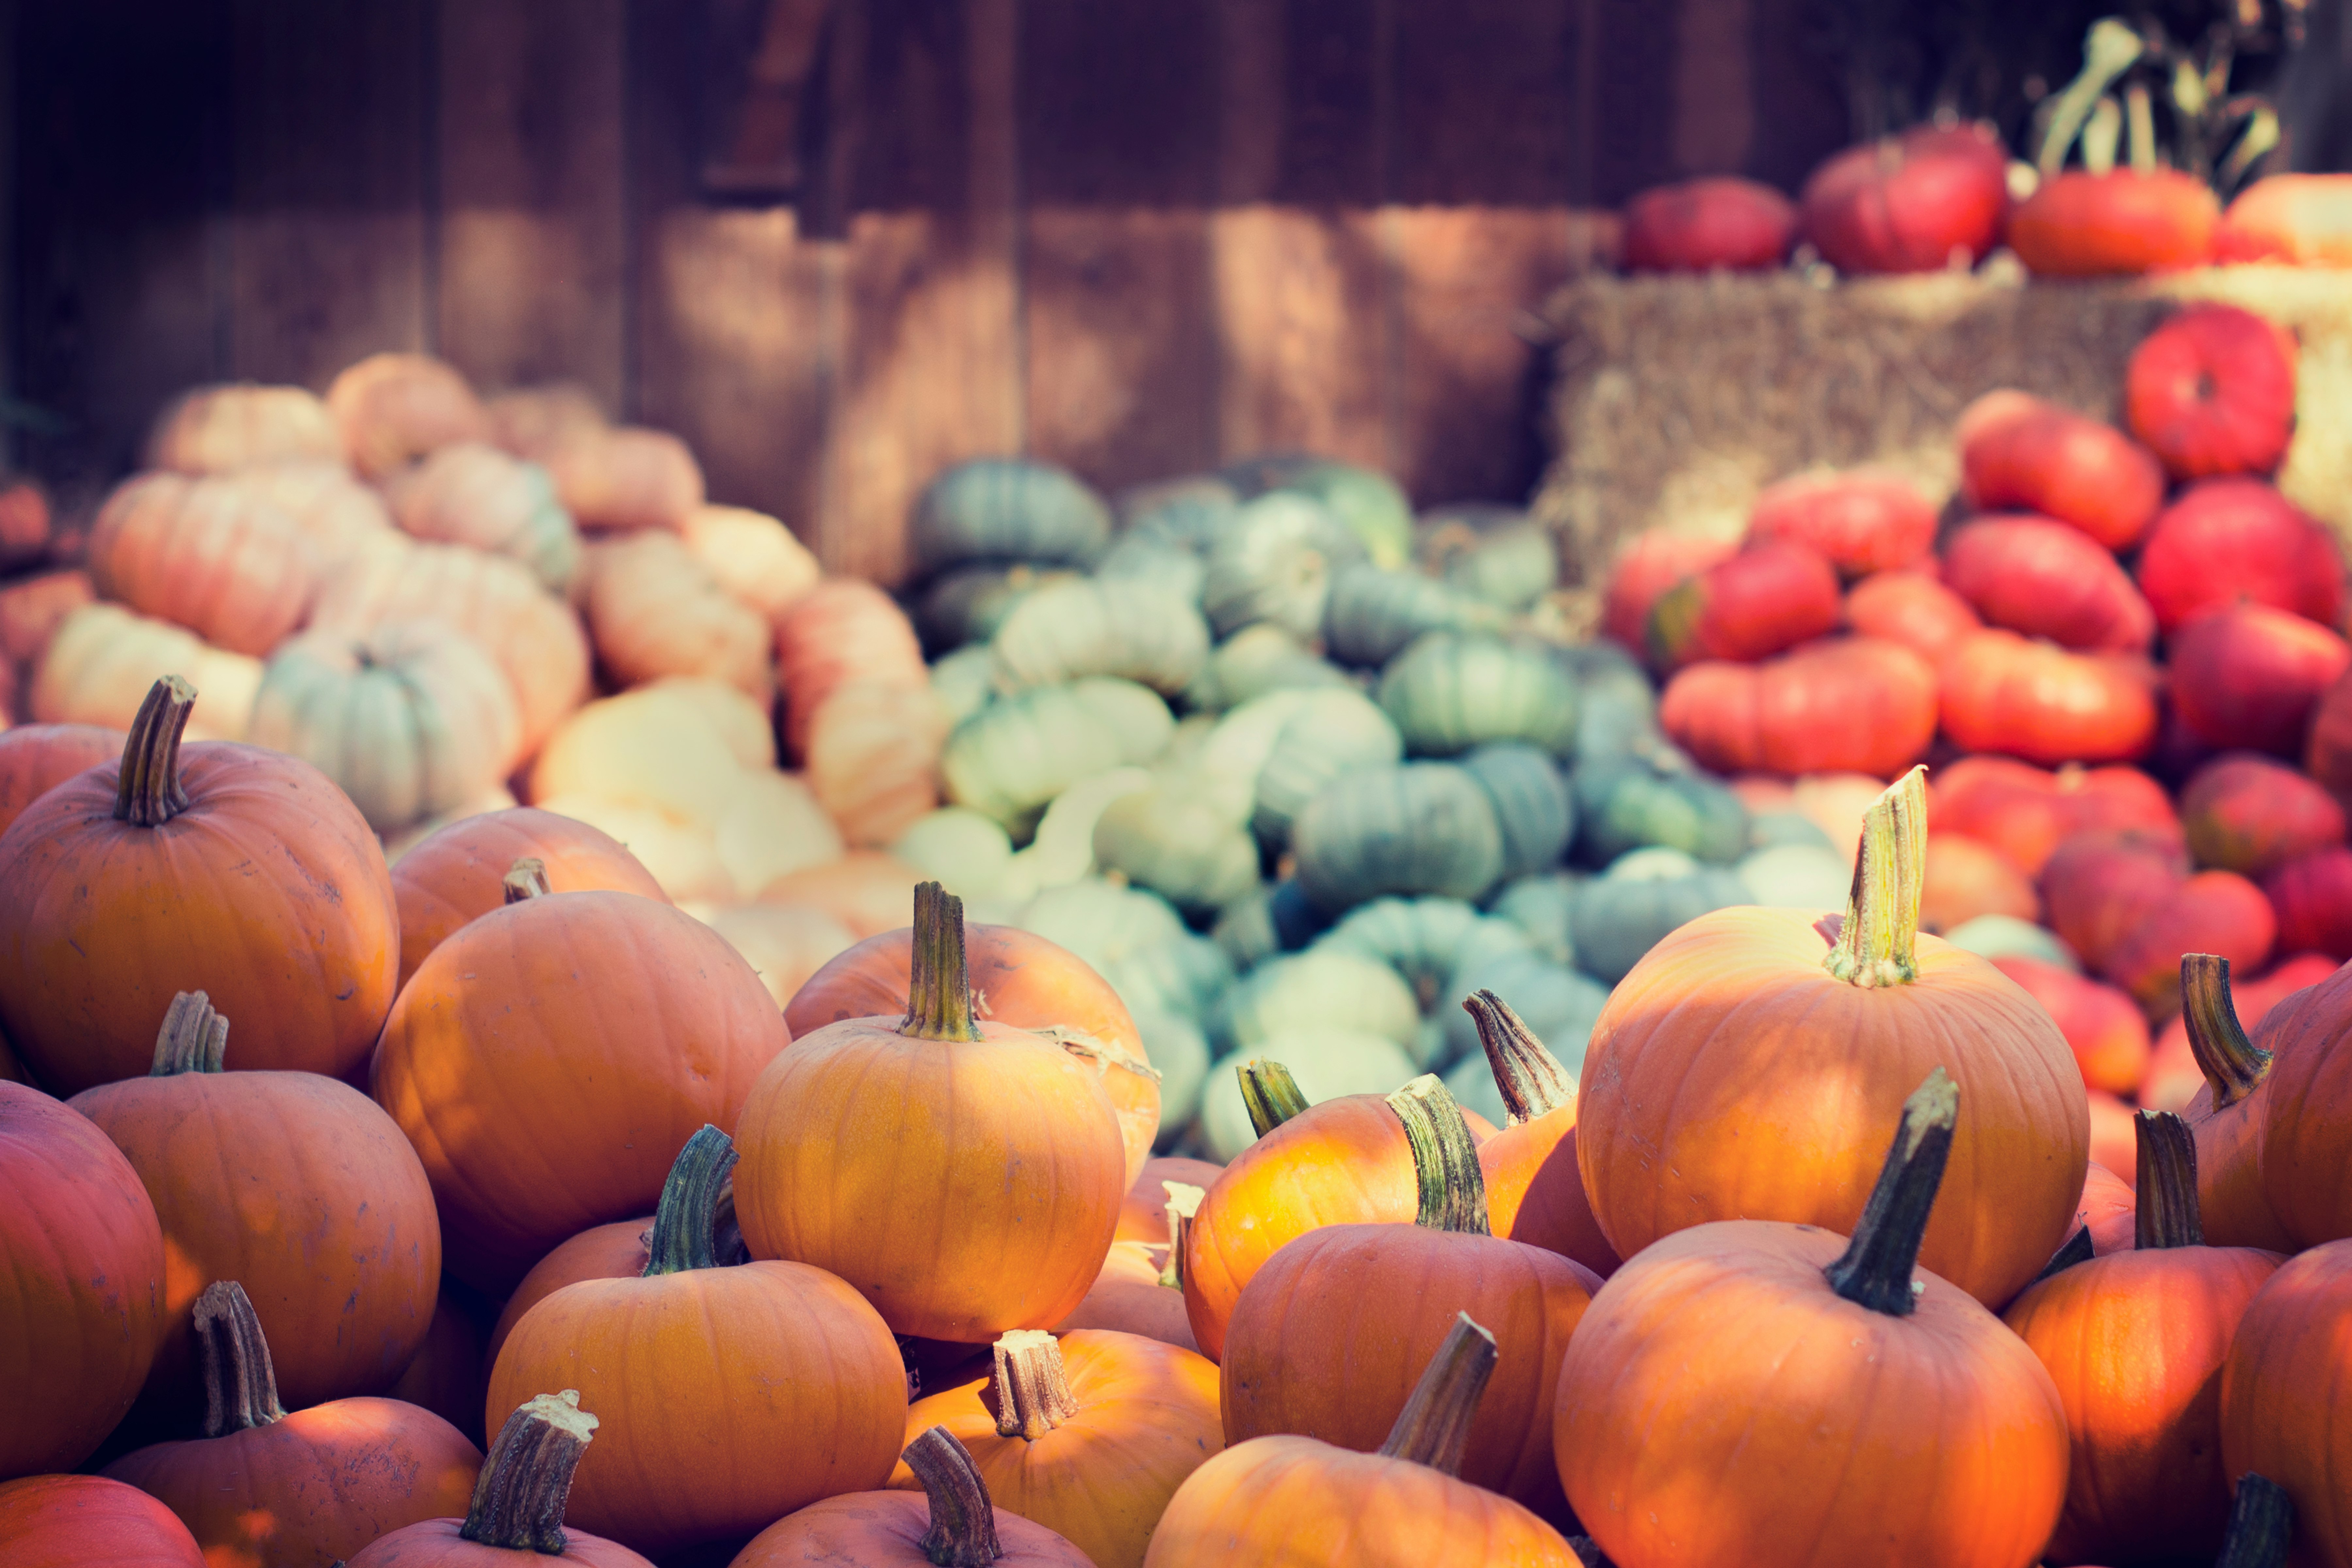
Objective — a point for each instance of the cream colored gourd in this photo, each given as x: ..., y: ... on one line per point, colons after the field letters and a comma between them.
x: 104, y: 659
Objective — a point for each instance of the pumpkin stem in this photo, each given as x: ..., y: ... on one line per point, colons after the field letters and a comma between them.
x: 963, y: 1520
x: 1875, y: 1270
x: 527, y: 1480
x: 2167, y: 1212
x: 1031, y: 1390
x: 1445, y: 1160
x: 1433, y: 1427
x: 686, y: 1224
x: 147, y: 791
x: 728, y: 1247
x: 2262, y: 1525
x: 2233, y: 1065
x: 1184, y: 1203
x: 526, y: 879
x: 240, y: 1385
x: 938, y: 991
x: 1531, y: 1078
x: 193, y: 1038
x: 2076, y: 1250
x: 1877, y: 942
x: 1272, y: 1095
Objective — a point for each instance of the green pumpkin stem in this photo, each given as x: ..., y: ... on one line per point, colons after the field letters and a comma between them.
x: 1532, y: 1080
x: 2262, y: 1525
x: 2077, y: 1248
x: 1272, y: 1096
x: 1878, y: 941
x: 147, y: 791
x: 1031, y: 1389
x: 2166, y: 1215
x: 240, y: 1384
x: 938, y: 989
x: 526, y: 1480
x: 686, y: 1224
x: 963, y: 1520
x: 1453, y: 1189
x: 193, y: 1038
x: 1875, y: 1269
x: 2233, y: 1065
x: 1184, y: 1203
x: 1433, y: 1427
x: 527, y: 879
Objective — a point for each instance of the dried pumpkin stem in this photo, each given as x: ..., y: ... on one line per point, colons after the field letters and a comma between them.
x: 1453, y: 1189
x: 2233, y: 1065
x: 1184, y: 1203
x: 685, y: 1232
x: 1031, y: 1388
x: 1531, y: 1078
x: 193, y: 1038
x: 2262, y: 1525
x: 2077, y: 1248
x: 526, y: 1480
x: 526, y: 879
x: 147, y: 791
x: 1272, y: 1096
x: 1433, y: 1427
x: 963, y: 1520
x: 1877, y: 942
x: 2166, y: 1215
x: 240, y: 1385
x: 1875, y: 1269
x: 939, y: 990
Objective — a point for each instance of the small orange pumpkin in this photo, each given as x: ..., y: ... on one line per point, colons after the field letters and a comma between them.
x: 624, y: 477
x: 2228, y: 1114
x: 1136, y: 1293
x: 654, y: 610
x: 955, y: 1522
x: 753, y: 556
x: 471, y: 493
x: 843, y: 630
x: 1143, y: 1216
x: 2307, y: 1112
x: 213, y: 429
x: 1534, y: 1193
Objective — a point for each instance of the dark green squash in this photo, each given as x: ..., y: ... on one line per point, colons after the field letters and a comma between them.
x: 1453, y: 690
x: 1374, y: 613
x: 1632, y: 907
x: 967, y: 604
x: 1424, y: 828
x: 1627, y: 801
x: 1532, y: 805
x: 1005, y: 509
x: 1274, y: 564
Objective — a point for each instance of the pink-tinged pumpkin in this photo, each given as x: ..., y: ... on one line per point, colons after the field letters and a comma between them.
x: 205, y: 554
x: 2120, y: 222
x: 332, y: 508
x: 2109, y: 1209
x: 873, y: 757
x: 2312, y: 896
x: 2113, y: 1143
x: 625, y: 477
x: 2100, y: 882
x: 1843, y: 705
x: 1913, y: 608
x: 530, y: 421
x: 33, y: 608
x: 36, y: 758
x: 2227, y: 541
x: 1698, y: 226
x: 2102, y: 1026
x: 2018, y: 452
x: 471, y: 493
x: 2212, y: 911
x: 866, y: 890
x: 1967, y: 878
x: 2213, y: 392
x: 2250, y: 815
x: 753, y: 556
x: 2327, y: 749
x: 395, y: 407
x: 215, y: 429
x: 844, y: 629
x: 2250, y: 675
x: 83, y: 1521
x: 2174, y: 1077
x: 1933, y: 198
x: 1771, y: 595
x: 2027, y: 812
x: 1862, y: 520
x: 655, y: 610
x: 2303, y: 220
x: 1646, y: 566
x: 2005, y: 693
x: 2048, y: 579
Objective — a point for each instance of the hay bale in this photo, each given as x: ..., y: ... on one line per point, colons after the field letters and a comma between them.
x: 1677, y: 399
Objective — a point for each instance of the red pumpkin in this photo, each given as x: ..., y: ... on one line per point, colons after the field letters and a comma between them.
x: 2251, y: 676
x: 2328, y: 752
x: 1933, y: 198
x: 2002, y: 692
x: 2102, y: 882
x: 1845, y: 705
x: 2304, y: 220
x: 2212, y: 911
x: 36, y: 758
x: 2231, y: 539
x: 2174, y: 1074
x: 1698, y: 225
x: 88, y: 1522
x: 2027, y: 812
x: 1770, y: 595
x: 2307, y: 1112
x: 2049, y: 579
x: 1911, y: 608
x: 2312, y: 896
x: 1862, y: 520
x: 2250, y: 815
x: 2213, y: 392
x: 2019, y: 452
x: 1967, y: 878
x: 2127, y: 221
x: 2104, y: 1026
x: 1647, y: 565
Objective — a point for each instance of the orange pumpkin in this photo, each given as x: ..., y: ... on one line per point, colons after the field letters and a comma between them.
x: 1841, y: 705
x: 2018, y: 452
x: 956, y: 1522
x: 2002, y: 692
x: 1534, y: 1193
x: 207, y: 554
x: 530, y: 421
x: 1649, y: 564
x: 2078, y: 224
x: 2027, y: 812
x: 296, y: 1185
x: 459, y: 874
x: 1863, y: 520
x: 1020, y: 979
x: 79, y: 1521
x: 535, y: 1122
x: 1912, y: 608
x: 1143, y: 1216
x: 654, y: 610
x: 81, y: 1304
x: 1135, y: 1294
x: 36, y: 758
x: 2174, y: 1076
x: 695, y: 1365
x: 517, y: 1511
x: 1674, y: 1448
x: 33, y: 608
x: 2283, y: 1391
x: 624, y: 477
x: 843, y: 630
x: 2109, y: 1212
x: 213, y: 429
x: 1741, y: 1070
x: 394, y: 408
x: 1023, y: 1178
x: 2227, y: 1116
x: 865, y: 889
x: 338, y: 514
x: 2212, y: 911
x: 615, y: 1251
x: 471, y: 493
x: 1967, y: 878
x: 264, y: 1487
x: 189, y: 869
x: 2101, y: 883
x: 2307, y: 1112
x: 450, y: 1372
x: 1297, y: 1502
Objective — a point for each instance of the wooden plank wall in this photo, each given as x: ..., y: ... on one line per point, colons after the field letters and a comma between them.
x: 1134, y: 237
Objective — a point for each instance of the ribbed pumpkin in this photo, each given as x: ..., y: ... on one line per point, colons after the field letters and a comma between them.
x: 394, y: 408
x: 1919, y: 202
x: 265, y: 1487
x: 2251, y: 676
x: 237, y: 425
x: 843, y: 630
x: 2212, y: 911
x: 1449, y: 692
x: 32, y: 609
x: 81, y: 1307
x: 1273, y: 562
x: 2227, y: 1116
x: 36, y: 758
x: 2047, y: 578
x: 642, y: 1023
x: 2303, y: 220
x: 1863, y: 521
x: 2213, y: 392
x: 2307, y: 1112
x: 753, y: 556
x: 1740, y: 1018
x: 205, y: 554
x: 336, y: 513
x: 2019, y: 451
x: 2227, y: 539
x: 1424, y: 828
x: 1911, y: 608
x: 2250, y: 815
x: 2078, y: 224
x: 2311, y: 895
x: 1533, y: 810
x: 873, y: 757
x: 449, y: 1373
x: 1006, y: 508
x: 773, y: 1358
x: 1631, y: 800
x: 624, y: 477
x: 1326, y: 733
x: 410, y: 719
x: 192, y: 867
x: 864, y: 890
x: 297, y: 1186
x: 1017, y: 756
x: 1135, y: 1294
x: 1846, y: 704
x: 1644, y: 897
x: 2002, y: 692
x: 1647, y: 565
x: 1130, y: 628
x: 1673, y: 1451
x: 104, y: 659
x: 459, y: 874
x: 1773, y: 594
x: 2283, y: 1390
x: 2103, y: 1026
x: 2027, y: 812
x: 471, y: 493
x: 654, y: 610
x: 955, y: 1521
x: 1698, y: 226
x: 2174, y: 1072
x: 997, y: 1127
x: 1373, y: 613
x: 66, y: 1522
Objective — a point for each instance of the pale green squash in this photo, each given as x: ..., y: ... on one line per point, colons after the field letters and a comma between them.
x: 1181, y: 1053
x: 1451, y: 691
x: 1063, y: 847
x: 1556, y: 1003
x: 1544, y: 907
x: 1373, y: 613
x: 1627, y: 801
x: 1174, y: 570
x: 1005, y: 509
x: 1186, y: 512
x: 1643, y: 896
x: 1796, y: 876
x: 1320, y: 988
x: 1176, y: 839
x: 1369, y: 503
x: 1326, y: 1064
x: 1326, y: 734
x: 1492, y: 552
x: 968, y: 603
x: 1617, y: 708
x: 1424, y: 940
x: 964, y: 682
x: 1134, y: 630
x: 966, y: 851
x: 1017, y: 754
x: 1424, y: 828
x: 1257, y: 660
x: 1274, y: 564
x: 1771, y: 829
x: 2006, y: 936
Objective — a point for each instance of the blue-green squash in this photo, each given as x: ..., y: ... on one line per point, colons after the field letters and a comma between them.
x: 1450, y: 692
x: 1558, y: 1003
x: 1007, y: 509
x: 1497, y: 553
x: 1543, y: 907
x: 1532, y: 805
x: 1320, y: 988
x: 1627, y: 801
x: 1374, y: 612
x: 1329, y: 734
x: 1326, y: 1063
x: 1643, y: 896
x: 1274, y: 564
x: 967, y: 603
x: 1421, y: 827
